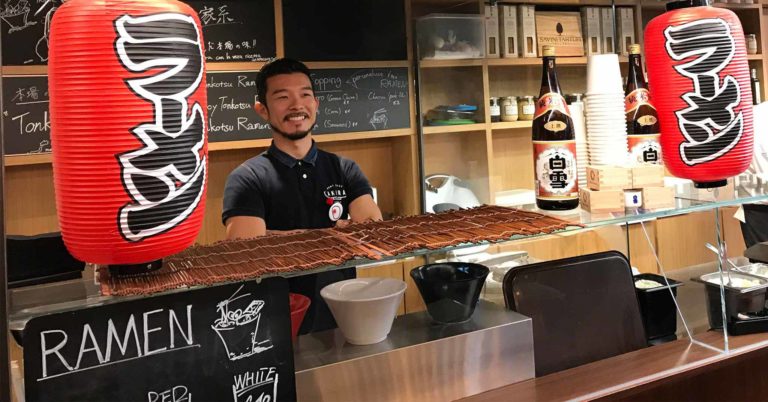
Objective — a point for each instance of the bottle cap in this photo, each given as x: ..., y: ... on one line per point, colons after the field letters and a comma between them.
x: 548, y: 51
x: 634, y: 48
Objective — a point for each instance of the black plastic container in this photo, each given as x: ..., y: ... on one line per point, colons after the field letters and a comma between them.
x: 658, y: 308
x: 737, y: 300
x: 451, y: 289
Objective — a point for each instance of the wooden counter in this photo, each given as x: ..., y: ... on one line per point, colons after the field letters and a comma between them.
x: 677, y: 370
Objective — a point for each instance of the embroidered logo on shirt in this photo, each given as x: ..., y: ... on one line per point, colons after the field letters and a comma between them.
x: 334, y: 194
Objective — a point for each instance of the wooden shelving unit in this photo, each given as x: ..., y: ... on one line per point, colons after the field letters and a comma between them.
x: 474, y: 81
x: 459, y: 128
x: 511, y: 125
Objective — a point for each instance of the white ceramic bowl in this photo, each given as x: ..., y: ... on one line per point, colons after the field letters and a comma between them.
x: 364, y: 308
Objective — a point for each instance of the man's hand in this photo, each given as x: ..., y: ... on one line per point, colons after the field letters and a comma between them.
x: 342, y: 223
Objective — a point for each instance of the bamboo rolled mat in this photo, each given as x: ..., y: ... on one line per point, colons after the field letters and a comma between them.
x: 238, y: 260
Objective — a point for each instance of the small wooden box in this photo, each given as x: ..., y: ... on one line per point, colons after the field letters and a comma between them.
x: 658, y: 197
x: 601, y: 201
x: 609, y: 178
x: 647, y: 176
x: 561, y: 30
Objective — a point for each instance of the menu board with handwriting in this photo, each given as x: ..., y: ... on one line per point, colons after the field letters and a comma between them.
x: 25, y: 26
x: 351, y: 100
x: 26, y: 119
x: 237, y: 30
x: 223, y: 343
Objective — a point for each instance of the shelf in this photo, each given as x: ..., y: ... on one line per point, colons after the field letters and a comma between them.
x: 31, y: 159
x: 44, y: 158
x: 459, y: 128
x: 604, y: 3
x: 536, y: 61
x: 511, y: 125
x: 451, y: 63
x: 731, y: 6
x: 755, y: 57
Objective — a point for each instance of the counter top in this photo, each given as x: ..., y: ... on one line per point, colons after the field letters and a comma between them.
x: 610, y: 376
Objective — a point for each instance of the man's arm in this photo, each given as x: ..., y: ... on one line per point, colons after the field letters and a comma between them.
x: 363, y: 208
x: 245, y: 227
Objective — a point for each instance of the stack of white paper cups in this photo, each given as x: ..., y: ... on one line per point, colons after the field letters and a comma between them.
x: 606, y: 123
x: 580, y: 132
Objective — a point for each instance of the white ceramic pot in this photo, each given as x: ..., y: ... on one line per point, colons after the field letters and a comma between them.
x: 364, y: 308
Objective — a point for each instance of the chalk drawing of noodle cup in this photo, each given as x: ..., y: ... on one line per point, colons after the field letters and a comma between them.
x: 237, y: 329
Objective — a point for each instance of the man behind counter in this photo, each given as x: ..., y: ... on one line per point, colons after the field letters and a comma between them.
x: 294, y: 185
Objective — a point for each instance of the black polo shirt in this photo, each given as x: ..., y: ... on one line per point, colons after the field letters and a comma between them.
x: 311, y: 193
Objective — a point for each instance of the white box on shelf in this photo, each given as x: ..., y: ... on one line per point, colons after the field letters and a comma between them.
x: 451, y: 36
x: 526, y: 26
x: 606, y: 30
x: 492, y: 31
x: 626, y: 29
x: 508, y: 31
x: 590, y: 26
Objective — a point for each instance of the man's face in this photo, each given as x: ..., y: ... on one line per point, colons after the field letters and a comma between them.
x: 291, y: 106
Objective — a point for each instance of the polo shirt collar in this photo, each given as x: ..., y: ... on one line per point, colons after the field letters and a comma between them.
x: 289, y: 160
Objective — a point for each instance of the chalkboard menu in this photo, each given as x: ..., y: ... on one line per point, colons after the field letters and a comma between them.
x: 341, y: 30
x: 226, y: 343
x: 25, y: 25
x: 361, y: 99
x: 26, y: 120
x: 231, y: 116
x: 237, y: 30
x: 350, y: 100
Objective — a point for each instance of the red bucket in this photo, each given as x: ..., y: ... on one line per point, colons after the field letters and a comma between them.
x: 299, y: 306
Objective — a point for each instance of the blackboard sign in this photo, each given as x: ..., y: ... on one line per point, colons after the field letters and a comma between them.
x: 26, y: 120
x: 237, y: 30
x: 225, y: 343
x: 231, y: 116
x: 343, y: 30
x: 361, y: 99
x: 25, y: 26
x: 350, y: 100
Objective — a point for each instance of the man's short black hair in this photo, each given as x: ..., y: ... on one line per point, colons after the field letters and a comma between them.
x: 277, y: 67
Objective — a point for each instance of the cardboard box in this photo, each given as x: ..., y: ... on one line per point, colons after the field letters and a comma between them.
x: 590, y: 24
x: 492, y: 31
x: 561, y: 30
x: 526, y: 30
x: 658, y: 197
x: 647, y: 176
x: 626, y: 29
x: 601, y: 201
x: 508, y: 42
x: 606, y: 30
x: 609, y: 178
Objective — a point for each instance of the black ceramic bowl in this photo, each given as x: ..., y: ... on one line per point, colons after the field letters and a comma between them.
x: 451, y: 289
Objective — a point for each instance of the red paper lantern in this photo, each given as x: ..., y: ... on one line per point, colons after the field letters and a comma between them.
x: 128, y: 128
x: 699, y: 78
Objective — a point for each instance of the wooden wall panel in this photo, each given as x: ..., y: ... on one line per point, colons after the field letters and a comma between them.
x: 732, y: 232
x: 31, y: 209
x: 681, y: 239
x: 389, y: 270
x: 641, y: 253
x: 512, y: 160
x: 413, y: 300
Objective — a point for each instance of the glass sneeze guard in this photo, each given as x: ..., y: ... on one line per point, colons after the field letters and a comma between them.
x: 33, y: 301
